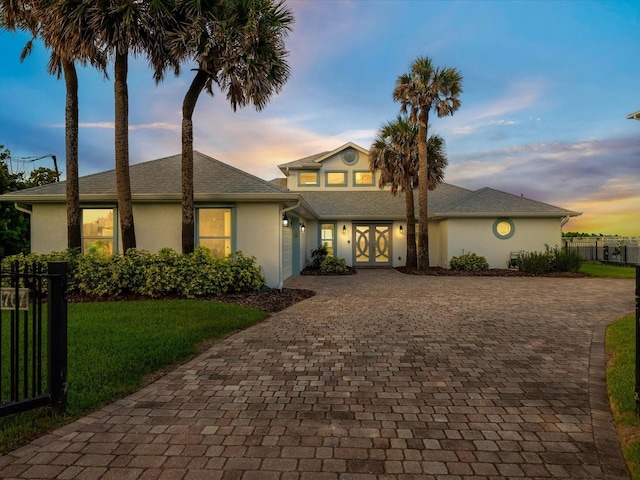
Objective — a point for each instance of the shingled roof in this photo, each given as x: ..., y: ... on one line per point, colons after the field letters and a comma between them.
x: 163, y: 177
x: 490, y: 202
x: 160, y: 180
x: 377, y: 204
x: 445, y: 201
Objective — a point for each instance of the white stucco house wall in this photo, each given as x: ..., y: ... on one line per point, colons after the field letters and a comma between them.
x: 330, y: 197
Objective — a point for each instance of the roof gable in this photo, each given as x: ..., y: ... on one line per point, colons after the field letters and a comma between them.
x: 314, y: 161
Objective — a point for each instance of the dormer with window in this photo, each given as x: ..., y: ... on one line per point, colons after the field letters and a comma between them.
x: 346, y: 168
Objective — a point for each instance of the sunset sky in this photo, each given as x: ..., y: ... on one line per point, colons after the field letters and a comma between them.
x: 547, y: 88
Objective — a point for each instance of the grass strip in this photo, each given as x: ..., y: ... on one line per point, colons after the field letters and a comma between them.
x: 607, y: 271
x: 114, y: 346
x: 620, y: 341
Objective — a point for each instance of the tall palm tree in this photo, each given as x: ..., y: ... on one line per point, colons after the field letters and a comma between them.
x: 124, y: 27
x: 423, y: 89
x: 64, y: 31
x: 394, y: 155
x: 238, y: 46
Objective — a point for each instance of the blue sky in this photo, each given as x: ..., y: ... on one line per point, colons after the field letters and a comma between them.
x: 547, y: 87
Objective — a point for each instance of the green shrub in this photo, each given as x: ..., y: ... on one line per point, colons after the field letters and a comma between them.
x: 469, y: 262
x: 535, y: 263
x: 566, y: 260
x: 143, y: 273
x: 333, y: 265
x: 551, y: 260
x: 318, y: 256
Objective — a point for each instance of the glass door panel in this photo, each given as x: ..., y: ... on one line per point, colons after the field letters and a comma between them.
x: 372, y: 245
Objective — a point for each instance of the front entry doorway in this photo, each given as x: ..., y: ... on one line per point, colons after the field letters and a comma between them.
x: 372, y: 245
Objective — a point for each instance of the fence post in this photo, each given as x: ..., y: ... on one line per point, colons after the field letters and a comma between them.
x: 57, y: 325
x: 637, y: 389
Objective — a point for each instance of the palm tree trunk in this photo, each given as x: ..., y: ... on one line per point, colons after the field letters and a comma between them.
x: 188, y: 107
x: 412, y: 258
x: 74, y: 232
x: 423, y: 191
x: 123, y: 182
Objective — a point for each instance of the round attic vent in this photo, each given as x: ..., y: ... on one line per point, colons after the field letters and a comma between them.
x: 350, y: 156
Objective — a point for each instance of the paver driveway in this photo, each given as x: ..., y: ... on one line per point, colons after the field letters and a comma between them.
x: 380, y: 375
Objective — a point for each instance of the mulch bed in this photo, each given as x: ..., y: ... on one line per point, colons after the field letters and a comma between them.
x: 268, y: 301
x: 493, y: 272
x: 272, y: 301
x: 316, y: 272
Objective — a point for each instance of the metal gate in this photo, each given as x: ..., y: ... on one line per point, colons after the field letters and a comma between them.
x: 33, y: 349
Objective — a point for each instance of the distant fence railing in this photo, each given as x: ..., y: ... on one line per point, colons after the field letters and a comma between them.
x: 605, y: 249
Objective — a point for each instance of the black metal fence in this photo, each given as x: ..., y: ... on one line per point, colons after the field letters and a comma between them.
x: 33, y: 349
x: 605, y: 250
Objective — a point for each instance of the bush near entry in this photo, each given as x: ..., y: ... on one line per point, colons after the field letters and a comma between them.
x: 333, y: 265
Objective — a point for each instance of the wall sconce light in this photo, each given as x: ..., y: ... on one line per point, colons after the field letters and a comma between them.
x: 401, y: 230
x: 344, y: 229
x: 285, y: 220
x: 302, y: 227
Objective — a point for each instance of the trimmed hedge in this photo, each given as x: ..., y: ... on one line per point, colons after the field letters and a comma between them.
x: 469, y: 262
x: 140, y: 272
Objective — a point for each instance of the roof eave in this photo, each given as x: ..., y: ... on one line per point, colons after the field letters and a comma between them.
x: 566, y: 213
x: 158, y: 198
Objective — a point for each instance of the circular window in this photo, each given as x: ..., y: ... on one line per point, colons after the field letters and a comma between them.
x: 503, y: 228
x: 350, y: 156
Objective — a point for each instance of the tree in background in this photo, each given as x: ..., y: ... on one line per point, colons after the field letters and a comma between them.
x: 394, y: 154
x: 14, y: 225
x: 423, y: 89
x: 238, y: 46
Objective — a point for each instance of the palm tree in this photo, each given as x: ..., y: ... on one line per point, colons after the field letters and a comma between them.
x: 126, y: 27
x: 64, y: 32
x: 394, y: 154
x: 238, y: 46
x: 424, y: 88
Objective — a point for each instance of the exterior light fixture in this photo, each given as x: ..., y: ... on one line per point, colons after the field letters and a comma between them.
x: 285, y: 220
x: 344, y: 229
x: 401, y: 230
x: 302, y: 227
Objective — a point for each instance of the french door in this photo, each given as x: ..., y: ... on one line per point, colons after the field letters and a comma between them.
x: 371, y: 245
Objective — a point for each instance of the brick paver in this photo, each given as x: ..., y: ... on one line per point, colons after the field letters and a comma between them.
x: 379, y: 376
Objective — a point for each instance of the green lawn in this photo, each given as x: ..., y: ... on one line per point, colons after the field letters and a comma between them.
x: 113, y: 346
x: 607, y: 271
x: 620, y: 383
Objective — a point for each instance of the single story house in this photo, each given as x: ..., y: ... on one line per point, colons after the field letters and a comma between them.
x: 331, y: 198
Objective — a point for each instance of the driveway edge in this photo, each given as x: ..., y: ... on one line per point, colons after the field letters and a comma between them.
x: 605, y: 436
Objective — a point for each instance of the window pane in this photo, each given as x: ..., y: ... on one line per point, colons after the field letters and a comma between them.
x: 103, y: 246
x: 327, y: 235
x: 97, y: 222
x: 98, y: 235
x: 215, y: 222
x: 336, y: 178
x: 364, y: 178
x: 214, y: 230
x: 220, y: 247
x: 308, y: 178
